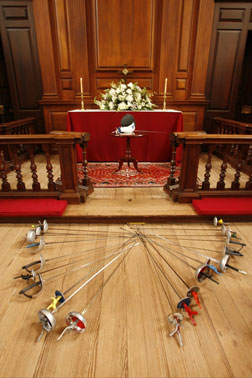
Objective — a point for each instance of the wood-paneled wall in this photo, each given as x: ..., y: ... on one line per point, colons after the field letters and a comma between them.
x: 96, y: 39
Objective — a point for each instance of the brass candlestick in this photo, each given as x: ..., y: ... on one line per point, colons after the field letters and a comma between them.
x: 164, y: 103
x: 82, y: 95
x: 82, y: 102
x: 165, y: 88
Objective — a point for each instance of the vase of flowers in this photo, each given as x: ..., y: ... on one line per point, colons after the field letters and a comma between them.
x: 122, y: 96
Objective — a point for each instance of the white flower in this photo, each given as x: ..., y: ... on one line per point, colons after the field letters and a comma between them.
x: 122, y: 97
x: 111, y: 105
x: 129, y: 98
x: 122, y: 106
x: 138, y: 97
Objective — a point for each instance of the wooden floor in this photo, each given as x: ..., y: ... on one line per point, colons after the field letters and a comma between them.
x: 127, y: 332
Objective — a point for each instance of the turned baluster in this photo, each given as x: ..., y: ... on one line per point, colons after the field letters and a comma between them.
x: 33, y: 167
x: 86, y: 181
x: 206, y: 183
x: 248, y: 185
x: 51, y: 184
x: 17, y: 168
x: 5, y: 185
x: 249, y: 155
x: 236, y: 183
x: 221, y: 182
x: 171, y: 179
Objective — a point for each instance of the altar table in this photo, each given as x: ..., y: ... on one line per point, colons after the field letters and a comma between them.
x: 155, y: 147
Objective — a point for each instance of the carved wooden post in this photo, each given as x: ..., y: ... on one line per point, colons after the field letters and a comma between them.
x: 171, y: 179
x: 187, y: 189
x: 221, y: 182
x: 206, y: 183
x: 68, y: 165
x: 35, y: 183
x: 17, y: 167
x: 5, y: 185
x: 236, y: 183
x: 49, y: 168
x: 86, y: 182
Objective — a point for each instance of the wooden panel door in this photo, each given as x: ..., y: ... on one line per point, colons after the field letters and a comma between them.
x: 21, y: 57
x: 232, y: 20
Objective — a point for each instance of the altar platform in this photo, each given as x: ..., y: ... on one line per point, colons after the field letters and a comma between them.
x: 155, y: 147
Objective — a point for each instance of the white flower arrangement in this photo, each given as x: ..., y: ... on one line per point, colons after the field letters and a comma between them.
x: 122, y: 96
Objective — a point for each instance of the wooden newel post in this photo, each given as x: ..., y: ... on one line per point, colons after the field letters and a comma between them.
x: 171, y: 179
x: 69, y: 178
x: 189, y: 171
x: 86, y: 182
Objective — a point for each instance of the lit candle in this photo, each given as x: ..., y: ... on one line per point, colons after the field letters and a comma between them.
x: 165, y: 86
x: 81, y: 86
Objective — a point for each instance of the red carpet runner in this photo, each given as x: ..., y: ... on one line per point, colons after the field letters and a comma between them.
x: 44, y: 207
x: 223, y: 206
x: 104, y: 175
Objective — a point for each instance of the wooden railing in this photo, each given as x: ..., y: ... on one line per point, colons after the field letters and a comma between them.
x: 188, y: 186
x: 67, y: 187
x: 228, y: 126
x: 20, y: 127
x: 24, y: 126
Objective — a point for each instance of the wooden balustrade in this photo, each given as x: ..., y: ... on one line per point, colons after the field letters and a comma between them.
x: 25, y: 126
x: 67, y: 187
x: 188, y: 187
x: 228, y: 126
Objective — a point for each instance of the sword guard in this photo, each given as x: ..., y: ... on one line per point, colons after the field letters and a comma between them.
x: 76, y: 322
x: 203, y: 272
x: 47, y: 320
x: 35, y: 284
x: 40, y: 245
x: 41, y: 262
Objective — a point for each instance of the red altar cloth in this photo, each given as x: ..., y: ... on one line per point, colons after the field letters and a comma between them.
x: 154, y: 146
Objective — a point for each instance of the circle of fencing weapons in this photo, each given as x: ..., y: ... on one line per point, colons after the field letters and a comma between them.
x: 40, y: 283
x: 184, y: 303
x: 46, y: 317
x: 172, y: 319
x: 223, y: 263
x: 75, y: 320
x: 202, y: 272
x: 41, y: 262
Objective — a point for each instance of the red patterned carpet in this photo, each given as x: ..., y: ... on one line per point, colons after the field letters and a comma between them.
x: 104, y: 175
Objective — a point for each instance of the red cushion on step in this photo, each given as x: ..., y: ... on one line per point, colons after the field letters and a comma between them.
x: 32, y: 207
x: 222, y: 206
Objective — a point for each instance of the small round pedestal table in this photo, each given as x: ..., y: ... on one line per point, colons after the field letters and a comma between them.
x: 127, y: 158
